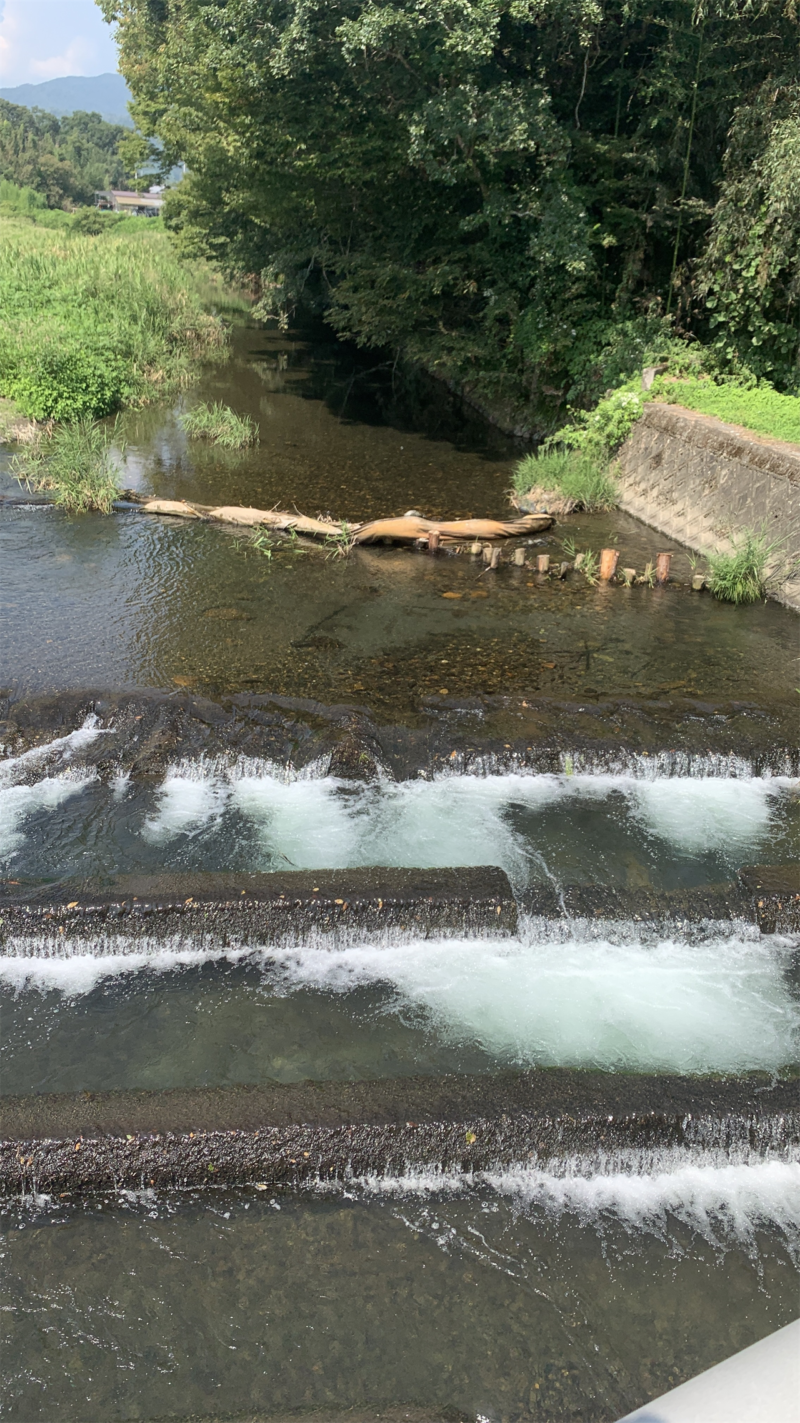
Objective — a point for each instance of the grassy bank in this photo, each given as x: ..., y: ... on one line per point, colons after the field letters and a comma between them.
x: 759, y: 408
x: 93, y: 323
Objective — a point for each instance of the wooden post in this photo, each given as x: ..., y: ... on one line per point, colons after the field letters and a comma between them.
x: 495, y: 559
x: 609, y: 557
x: 475, y: 549
x: 433, y: 541
x: 519, y: 557
x: 663, y: 561
x: 487, y: 553
x: 629, y: 576
x: 698, y: 582
x: 564, y: 570
x: 543, y: 563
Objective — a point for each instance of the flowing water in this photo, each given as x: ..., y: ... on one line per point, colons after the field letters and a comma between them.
x: 566, y: 1291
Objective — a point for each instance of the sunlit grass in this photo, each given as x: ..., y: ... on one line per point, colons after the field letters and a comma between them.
x: 78, y: 463
x: 579, y: 478
x: 221, y: 425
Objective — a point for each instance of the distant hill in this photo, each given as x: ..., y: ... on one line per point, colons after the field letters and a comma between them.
x: 105, y: 94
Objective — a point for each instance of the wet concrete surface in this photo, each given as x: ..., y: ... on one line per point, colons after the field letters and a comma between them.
x: 263, y: 908
x: 151, y: 729
x: 291, y: 1134
x: 230, y: 909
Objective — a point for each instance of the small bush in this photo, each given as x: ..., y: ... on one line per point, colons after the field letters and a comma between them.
x: 581, y: 479
x: 603, y: 430
x: 65, y: 381
x: 78, y: 462
x: 90, y: 222
x: 222, y: 425
x: 741, y: 576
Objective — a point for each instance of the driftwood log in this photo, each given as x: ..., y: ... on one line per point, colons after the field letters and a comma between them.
x: 410, y: 529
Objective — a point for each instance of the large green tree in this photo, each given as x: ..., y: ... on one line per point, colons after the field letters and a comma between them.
x: 517, y: 191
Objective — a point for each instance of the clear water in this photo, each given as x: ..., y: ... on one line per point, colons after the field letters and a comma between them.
x: 568, y: 1297
x: 132, y: 601
x: 170, y: 1015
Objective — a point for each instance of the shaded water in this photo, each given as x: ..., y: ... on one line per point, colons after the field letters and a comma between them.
x: 567, y: 1299
x: 135, y: 601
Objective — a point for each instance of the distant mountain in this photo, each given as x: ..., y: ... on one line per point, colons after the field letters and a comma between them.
x: 105, y: 94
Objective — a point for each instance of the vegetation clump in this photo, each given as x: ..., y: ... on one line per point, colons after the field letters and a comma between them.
x: 580, y: 480
x: 218, y: 423
x: 78, y: 462
x: 740, y: 576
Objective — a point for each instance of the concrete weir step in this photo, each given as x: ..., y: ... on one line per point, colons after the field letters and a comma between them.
x: 288, y: 1135
x: 399, y: 1413
x: 264, y: 908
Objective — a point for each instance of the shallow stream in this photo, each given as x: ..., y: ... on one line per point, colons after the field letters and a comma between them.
x: 565, y: 1291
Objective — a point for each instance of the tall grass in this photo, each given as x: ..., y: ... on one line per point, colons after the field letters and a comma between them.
x: 78, y: 462
x: 91, y: 324
x: 221, y: 425
x: 741, y: 575
x: 580, y: 479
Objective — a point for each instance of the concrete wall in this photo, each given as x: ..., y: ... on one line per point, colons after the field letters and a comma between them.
x: 699, y: 481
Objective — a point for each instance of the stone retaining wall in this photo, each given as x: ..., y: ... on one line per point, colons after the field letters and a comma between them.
x: 699, y: 481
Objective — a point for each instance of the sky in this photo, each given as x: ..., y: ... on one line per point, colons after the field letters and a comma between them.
x: 46, y: 39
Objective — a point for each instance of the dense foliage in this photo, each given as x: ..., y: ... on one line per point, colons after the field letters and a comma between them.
x: 92, y: 323
x: 536, y: 195
x: 65, y: 160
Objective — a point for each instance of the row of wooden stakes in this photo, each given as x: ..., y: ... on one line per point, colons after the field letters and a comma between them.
x: 656, y: 574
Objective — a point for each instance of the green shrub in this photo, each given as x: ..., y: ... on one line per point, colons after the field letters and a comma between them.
x: 20, y: 200
x: 221, y: 425
x: 79, y: 463
x: 602, y: 430
x: 63, y: 382
x: 91, y: 222
x: 582, y: 478
x: 741, y: 576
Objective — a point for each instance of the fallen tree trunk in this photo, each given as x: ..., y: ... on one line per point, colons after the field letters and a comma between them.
x: 411, y: 529
x: 408, y: 529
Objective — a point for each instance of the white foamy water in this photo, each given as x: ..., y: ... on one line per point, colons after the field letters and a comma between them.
x: 454, y: 820
x: 19, y: 802
x: 306, y: 824
x: 13, y: 768
x: 697, y: 816
x: 724, y: 1197
x: 720, y: 1005
x: 190, y: 797
x: 309, y: 820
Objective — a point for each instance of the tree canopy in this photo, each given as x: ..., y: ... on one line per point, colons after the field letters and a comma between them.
x: 530, y: 194
x: 66, y: 159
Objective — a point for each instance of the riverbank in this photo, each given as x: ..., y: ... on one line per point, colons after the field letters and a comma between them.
x: 93, y: 324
